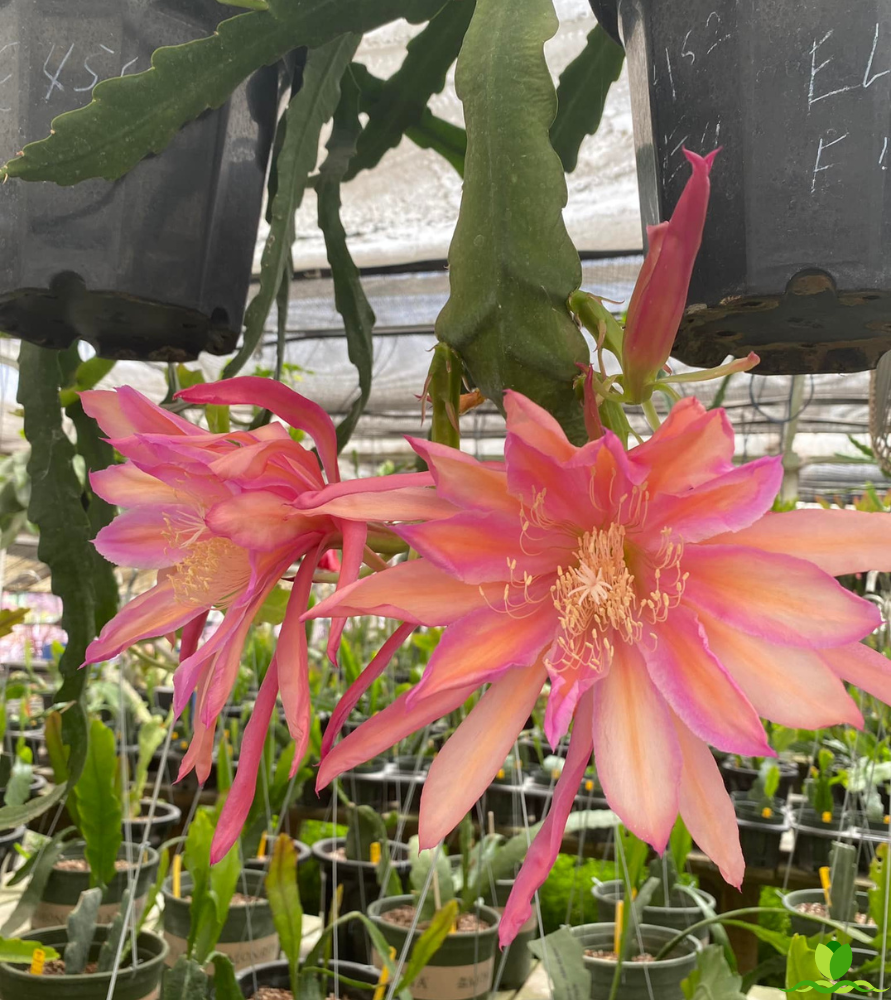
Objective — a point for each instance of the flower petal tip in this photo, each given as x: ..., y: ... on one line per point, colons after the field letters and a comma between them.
x: 695, y: 160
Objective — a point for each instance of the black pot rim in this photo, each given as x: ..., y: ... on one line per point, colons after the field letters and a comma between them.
x: 375, y: 912
x: 707, y: 898
x: 323, y: 851
x: 662, y: 935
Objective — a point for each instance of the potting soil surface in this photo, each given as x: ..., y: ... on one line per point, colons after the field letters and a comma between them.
x: 272, y: 993
x: 822, y: 910
x: 238, y: 899
x: 611, y: 956
x: 403, y: 916
x: 56, y: 967
x: 82, y: 865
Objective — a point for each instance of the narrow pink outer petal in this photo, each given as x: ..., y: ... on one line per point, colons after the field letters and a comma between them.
x: 863, y: 667
x: 706, y: 808
x: 143, y: 537
x: 534, y: 425
x: 361, y: 684
x: 838, y: 541
x: 633, y: 723
x: 200, y: 752
x: 192, y: 632
x: 786, y: 684
x: 546, y: 846
x: 700, y: 690
x: 463, y: 480
x: 691, y: 447
x: 658, y: 302
x: 483, y: 645
x: 727, y: 503
x: 415, y: 591
x: 354, y: 534
x: 482, y: 546
x: 387, y: 728
x: 154, y: 613
x: 294, y: 409
x: 292, y: 654
x: 241, y: 794
x: 786, y: 600
x: 467, y: 764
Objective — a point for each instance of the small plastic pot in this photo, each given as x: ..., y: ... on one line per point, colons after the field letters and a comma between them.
x: 63, y: 888
x: 8, y: 840
x: 464, y: 966
x: 760, y: 835
x: 409, y: 764
x: 802, y: 924
x: 741, y: 779
x: 277, y: 976
x: 367, y: 785
x: 814, y: 838
x: 166, y: 816
x: 677, y: 918
x: 248, y: 935
x: 360, y: 889
x: 639, y: 980
x: 139, y: 983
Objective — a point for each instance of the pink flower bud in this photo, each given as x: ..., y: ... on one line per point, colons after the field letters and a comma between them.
x: 660, y: 295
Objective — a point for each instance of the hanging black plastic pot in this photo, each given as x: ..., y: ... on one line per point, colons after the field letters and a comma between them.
x: 794, y: 262
x: 155, y: 265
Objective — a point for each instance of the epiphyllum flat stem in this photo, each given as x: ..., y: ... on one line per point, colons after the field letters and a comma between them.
x: 599, y: 602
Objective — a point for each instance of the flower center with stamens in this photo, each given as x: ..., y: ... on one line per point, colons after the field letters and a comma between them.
x: 600, y: 602
x: 211, y: 574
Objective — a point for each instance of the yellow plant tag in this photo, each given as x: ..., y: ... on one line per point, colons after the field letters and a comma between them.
x: 374, y: 852
x: 589, y: 785
x: 827, y: 817
x: 500, y: 774
x: 555, y: 774
x: 826, y: 883
x: 767, y: 812
x: 384, y: 978
x: 37, y: 960
x: 887, y: 820
x: 177, y: 875
x: 261, y: 849
x: 620, y: 917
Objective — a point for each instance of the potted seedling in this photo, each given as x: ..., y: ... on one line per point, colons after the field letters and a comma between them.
x: 367, y: 864
x: 664, y: 899
x: 761, y: 818
x: 317, y: 976
x: 216, y: 908
x: 93, y: 852
x: 819, y: 821
x: 741, y: 773
x: 89, y: 953
x: 839, y: 900
x: 466, y: 959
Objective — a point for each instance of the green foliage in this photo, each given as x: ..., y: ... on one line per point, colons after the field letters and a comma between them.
x: 679, y: 845
x: 713, y: 978
x: 99, y: 806
x: 421, y: 863
x: 81, y: 927
x: 308, y: 877
x: 15, y: 951
x: 284, y: 900
x: 109, y: 950
x: 401, y: 101
x: 566, y: 897
x: 431, y: 132
x: 187, y: 980
x: 563, y: 957
x: 843, y: 891
x: 212, y: 887
x: 512, y: 264
x: 801, y: 964
x: 778, y: 918
x: 429, y: 942
x: 444, y: 391
x: 366, y: 827
x: 582, y: 92
x: 349, y: 296
x: 36, y: 870
x: 818, y: 788
x: 297, y: 147
x: 18, y: 789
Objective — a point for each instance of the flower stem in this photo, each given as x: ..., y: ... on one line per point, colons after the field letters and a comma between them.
x: 651, y: 415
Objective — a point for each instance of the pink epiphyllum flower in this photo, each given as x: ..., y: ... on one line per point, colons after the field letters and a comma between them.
x: 660, y: 295
x: 222, y: 517
x: 654, y: 592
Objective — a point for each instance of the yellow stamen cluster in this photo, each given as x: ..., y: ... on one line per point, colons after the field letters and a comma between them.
x: 598, y: 600
x: 212, y: 573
